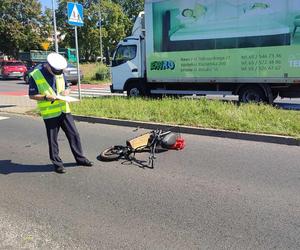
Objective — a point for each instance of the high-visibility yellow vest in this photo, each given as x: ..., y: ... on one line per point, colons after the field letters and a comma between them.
x: 48, y: 109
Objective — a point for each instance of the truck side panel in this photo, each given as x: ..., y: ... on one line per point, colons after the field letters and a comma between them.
x: 223, y: 41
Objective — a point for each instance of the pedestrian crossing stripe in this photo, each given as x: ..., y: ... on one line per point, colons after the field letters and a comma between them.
x: 3, y: 118
x: 95, y: 92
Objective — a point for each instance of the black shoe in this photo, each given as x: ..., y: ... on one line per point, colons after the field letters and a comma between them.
x: 86, y: 163
x: 60, y: 169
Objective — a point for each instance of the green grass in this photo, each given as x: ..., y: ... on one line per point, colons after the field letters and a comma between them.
x: 198, y: 113
x: 90, y: 70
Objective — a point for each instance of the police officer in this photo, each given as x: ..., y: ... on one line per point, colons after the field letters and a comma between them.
x: 44, y: 84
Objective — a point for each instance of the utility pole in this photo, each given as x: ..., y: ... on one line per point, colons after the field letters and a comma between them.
x: 54, y: 24
x: 100, y: 30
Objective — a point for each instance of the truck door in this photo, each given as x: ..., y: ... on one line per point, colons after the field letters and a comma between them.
x: 125, y: 65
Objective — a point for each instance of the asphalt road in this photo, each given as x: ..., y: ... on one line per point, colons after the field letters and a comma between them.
x: 215, y: 194
x: 13, y: 86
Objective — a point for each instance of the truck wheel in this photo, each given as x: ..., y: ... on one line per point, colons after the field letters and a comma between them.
x: 134, y: 90
x: 275, y: 94
x: 251, y: 94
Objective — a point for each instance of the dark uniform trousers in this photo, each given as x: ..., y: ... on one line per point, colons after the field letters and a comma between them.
x: 66, y: 122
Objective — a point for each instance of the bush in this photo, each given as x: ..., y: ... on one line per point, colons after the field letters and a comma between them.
x: 102, y: 73
x: 94, y: 72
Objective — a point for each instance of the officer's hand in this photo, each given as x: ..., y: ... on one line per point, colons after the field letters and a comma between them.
x: 51, y: 97
x: 65, y: 92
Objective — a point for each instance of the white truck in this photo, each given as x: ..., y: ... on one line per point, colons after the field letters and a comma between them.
x: 249, y: 48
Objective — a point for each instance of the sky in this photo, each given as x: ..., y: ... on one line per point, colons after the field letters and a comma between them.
x: 47, y: 3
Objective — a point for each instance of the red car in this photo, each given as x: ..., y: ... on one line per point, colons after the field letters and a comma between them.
x: 12, y: 69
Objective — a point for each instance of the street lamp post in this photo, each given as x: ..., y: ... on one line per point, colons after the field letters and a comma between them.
x: 100, y: 30
x: 54, y: 24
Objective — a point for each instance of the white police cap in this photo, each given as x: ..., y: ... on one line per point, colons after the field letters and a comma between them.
x: 57, y: 61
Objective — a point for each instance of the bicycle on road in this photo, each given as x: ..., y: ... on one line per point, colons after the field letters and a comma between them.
x: 149, y: 141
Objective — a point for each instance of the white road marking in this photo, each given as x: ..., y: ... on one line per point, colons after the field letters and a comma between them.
x: 3, y: 118
x: 95, y: 92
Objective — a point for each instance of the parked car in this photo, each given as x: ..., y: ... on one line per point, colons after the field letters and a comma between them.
x: 12, y: 69
x: 71, y: 74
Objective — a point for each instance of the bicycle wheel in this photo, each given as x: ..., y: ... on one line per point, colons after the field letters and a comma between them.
x: 113, y: 153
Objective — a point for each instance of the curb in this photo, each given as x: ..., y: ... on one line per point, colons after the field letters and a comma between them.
x: 286, y: 140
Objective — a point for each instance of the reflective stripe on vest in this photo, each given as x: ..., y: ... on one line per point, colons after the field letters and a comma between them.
x: 48, y: 109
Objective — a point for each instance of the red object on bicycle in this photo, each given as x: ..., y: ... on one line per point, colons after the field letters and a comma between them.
x: 179, y: 144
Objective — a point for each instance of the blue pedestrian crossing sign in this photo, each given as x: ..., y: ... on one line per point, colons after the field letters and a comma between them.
x: 75, y: 14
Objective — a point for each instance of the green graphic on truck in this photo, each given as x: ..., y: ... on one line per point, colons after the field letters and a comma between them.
x: 162, y: 65
x: 228, y: 38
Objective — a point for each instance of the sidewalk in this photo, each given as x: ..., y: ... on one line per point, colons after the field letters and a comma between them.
x: 16, y: 104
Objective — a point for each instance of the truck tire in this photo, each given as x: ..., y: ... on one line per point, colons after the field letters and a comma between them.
x: 135, y: 90
x: 275, y: 94
x: 252, y: 94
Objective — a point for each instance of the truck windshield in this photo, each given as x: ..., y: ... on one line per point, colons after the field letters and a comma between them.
x: 123, y: 54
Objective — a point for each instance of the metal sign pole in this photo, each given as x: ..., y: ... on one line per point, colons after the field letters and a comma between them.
x: 54, y: 24
x: 77, y: 56
x: 75, y: 17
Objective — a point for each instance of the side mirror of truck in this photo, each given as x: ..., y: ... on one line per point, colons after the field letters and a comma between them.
x: 113, y: 63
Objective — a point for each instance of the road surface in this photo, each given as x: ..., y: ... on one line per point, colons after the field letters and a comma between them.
x: 215, y: 194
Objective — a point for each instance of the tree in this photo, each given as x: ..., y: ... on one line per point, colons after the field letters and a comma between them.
x: 131, y: 10
x: 21, y: 26
x: 47, y: 24
x: 113, y: 27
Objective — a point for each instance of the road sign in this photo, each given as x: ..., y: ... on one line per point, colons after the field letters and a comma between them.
x: 75, y: 14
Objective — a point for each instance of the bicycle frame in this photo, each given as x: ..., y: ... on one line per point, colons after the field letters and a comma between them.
x: 148, y: 140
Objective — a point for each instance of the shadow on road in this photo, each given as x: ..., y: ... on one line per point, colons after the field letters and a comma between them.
x: 22, y: 83
x: 9, y: 167
x: 132, y: 160
x: 288, y: 106
x: 7, y: 106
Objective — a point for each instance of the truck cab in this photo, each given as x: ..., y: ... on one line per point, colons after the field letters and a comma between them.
x: 128, y: 64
